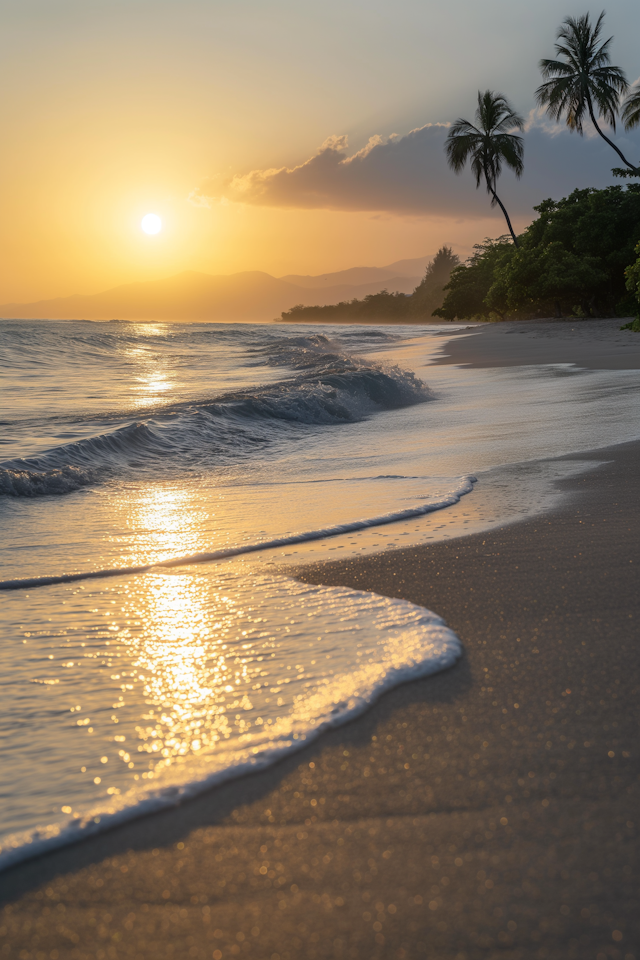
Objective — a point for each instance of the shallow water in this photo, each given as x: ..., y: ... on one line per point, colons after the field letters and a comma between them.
x: 142, y: 692
x: 129, y: 444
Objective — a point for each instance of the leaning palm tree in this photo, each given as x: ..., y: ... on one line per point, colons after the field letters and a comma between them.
x: 583, y: 82
x: 488, y: 145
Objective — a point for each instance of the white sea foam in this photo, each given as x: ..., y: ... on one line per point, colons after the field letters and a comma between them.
x: 22, y: 482
x: 462, y: 486
x: 179, y: 682
x: 202, y: 442
x: 330, y: 388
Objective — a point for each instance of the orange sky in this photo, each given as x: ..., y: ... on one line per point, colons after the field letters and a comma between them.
x: 116, y: 108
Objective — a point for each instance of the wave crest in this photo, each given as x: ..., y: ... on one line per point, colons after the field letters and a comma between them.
x: 33, y: 483
x: 331, y: 388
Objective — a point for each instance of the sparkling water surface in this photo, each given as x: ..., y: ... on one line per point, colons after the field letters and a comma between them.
x: 132, y: 443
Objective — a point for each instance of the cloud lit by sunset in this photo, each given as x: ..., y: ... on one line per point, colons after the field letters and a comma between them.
x: 265, y: 138
x: 320, y: 358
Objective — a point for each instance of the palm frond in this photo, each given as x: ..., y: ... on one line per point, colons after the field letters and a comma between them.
x: 631, y: 110
x: 489, y: 143
x: 556, y: 68
x: 582, y: 78
x: 462, y: 142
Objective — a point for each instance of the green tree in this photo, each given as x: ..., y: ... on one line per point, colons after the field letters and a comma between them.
x: 429, y: 293
x: 574, y: 254
x: 488, y: 144
x: 571, y: 260
x: 471, y: 281
x: 544, y: 279
x: 632, y: 274
x: 383, y: 306
x: 583, y: 81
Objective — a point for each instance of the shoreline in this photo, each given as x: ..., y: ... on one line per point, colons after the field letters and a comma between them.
x: 487, y: 810
x: 592, y: 344
x: 447, y: 769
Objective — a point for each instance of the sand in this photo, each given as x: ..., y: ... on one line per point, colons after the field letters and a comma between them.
x: 490, y: 811
x: 593, y: 344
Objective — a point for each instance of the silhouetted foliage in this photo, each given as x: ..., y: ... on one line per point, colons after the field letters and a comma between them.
x: 429, y: 293
x: 631, y: 109
x: 583, y: 82
x: 471, y: 281
x: 571, y: 260
x: 546, y: 279
x: 632, y: 274
x: 391, y: 307
x: 488, y: 144
x: 385, y: 306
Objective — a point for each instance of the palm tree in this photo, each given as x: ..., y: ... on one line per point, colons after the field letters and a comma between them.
x: 583, y: 82
x: 631, y: 109
x: 488, y: 145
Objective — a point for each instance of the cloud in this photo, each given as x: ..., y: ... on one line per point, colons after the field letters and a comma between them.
x: 408, y: 175
x: 200, y: 199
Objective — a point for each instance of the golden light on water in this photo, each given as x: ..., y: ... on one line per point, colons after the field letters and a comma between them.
x: 180, y: 628
x: 166, y: 521
x: 155, y: 376
x: 154, y: 385
x: 181, y: 661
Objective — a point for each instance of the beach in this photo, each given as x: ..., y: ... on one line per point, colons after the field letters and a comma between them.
x: 592, y: 344
x: 487, y: 811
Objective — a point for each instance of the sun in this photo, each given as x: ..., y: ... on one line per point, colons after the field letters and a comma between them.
x: 151, y: 223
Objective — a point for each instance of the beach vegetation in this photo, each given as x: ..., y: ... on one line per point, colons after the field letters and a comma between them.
x: 632, y: 275
x: 386, y: 306
x: 570, y: 261
x: 488, y: 144
x: 429, y: 293
x: 470, y: 282
x: 548, y: 279
x: 582, y: 83
x: 383, y: 306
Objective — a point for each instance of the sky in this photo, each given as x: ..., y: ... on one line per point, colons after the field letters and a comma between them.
x: 279, y: 135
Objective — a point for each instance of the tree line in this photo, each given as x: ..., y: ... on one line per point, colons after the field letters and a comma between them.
x: 577, y: 256
x: 581, y: 82
x: 570, y: 261
x: 385, y: 306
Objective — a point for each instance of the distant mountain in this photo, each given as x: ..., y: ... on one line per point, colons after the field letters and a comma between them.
x: 252, y: 295
x: 361, y: 275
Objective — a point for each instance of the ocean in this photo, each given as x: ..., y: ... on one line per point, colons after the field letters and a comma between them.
x: 157, y: 484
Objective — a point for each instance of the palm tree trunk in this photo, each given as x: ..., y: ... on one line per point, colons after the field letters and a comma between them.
x: 610, y: 142
x: 497, y: 200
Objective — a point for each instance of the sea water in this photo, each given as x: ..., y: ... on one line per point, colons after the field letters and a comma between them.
x: 133, y: 445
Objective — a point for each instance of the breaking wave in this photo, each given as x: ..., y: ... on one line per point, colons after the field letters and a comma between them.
x: 331, y: 388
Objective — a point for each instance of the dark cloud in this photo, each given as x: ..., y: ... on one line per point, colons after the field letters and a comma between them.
x: 409, y: 175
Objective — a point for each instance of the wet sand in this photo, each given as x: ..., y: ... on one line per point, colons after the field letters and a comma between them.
x: 593, y: 344
x: 490, y: 811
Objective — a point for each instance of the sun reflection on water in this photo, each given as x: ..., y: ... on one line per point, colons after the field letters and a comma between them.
x: 154, y: 368
x: 154, y: 384
x: 145, y: 688
x: 184, y: 626
x: 181, y: 658
x: 163, y: 520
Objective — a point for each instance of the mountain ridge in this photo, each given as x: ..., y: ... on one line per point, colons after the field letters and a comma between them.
x: 192, y: 295
x: 361, y: 275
